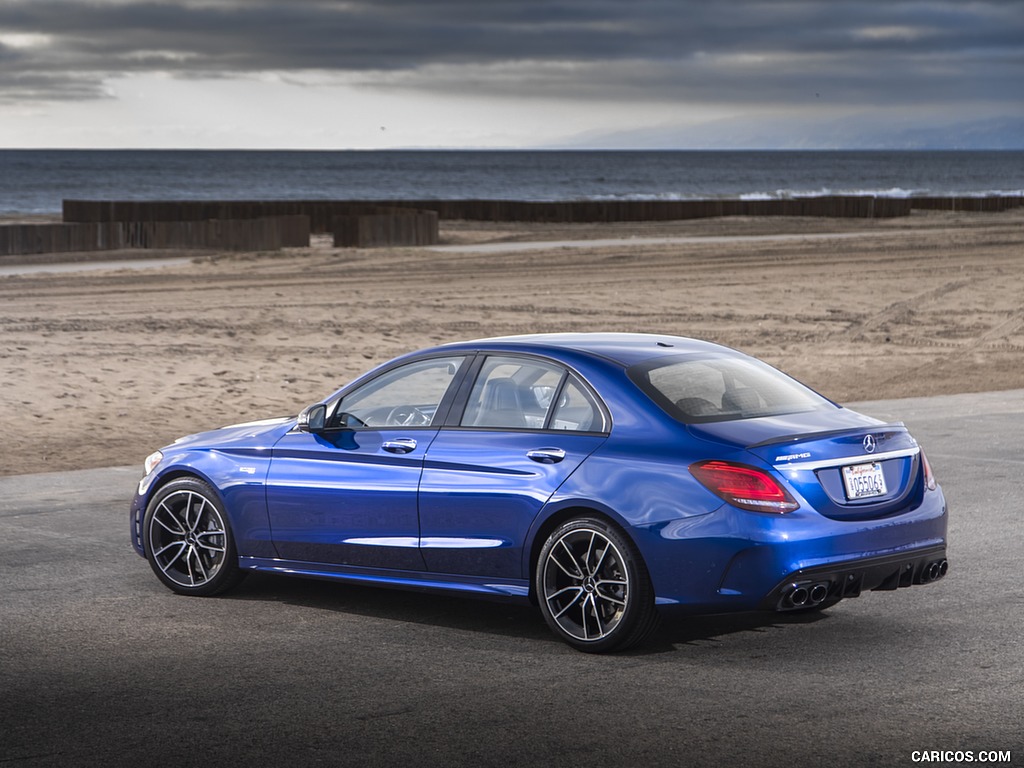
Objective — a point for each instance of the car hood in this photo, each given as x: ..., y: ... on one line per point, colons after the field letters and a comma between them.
x: 252, y: 434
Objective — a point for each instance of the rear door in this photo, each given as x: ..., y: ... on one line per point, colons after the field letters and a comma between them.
x: 522, y: 426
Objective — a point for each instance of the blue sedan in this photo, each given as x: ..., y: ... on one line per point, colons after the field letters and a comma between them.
x: 604, y: 477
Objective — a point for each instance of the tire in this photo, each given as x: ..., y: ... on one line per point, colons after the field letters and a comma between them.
x: 593, y: 587
x: 188, y: 541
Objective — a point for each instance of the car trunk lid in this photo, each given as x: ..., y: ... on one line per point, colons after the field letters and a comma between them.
x: 863, y: 469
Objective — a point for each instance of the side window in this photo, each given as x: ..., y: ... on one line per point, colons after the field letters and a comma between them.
x: 512, y: 392
x: 407, y: 396
x: 576, y: 411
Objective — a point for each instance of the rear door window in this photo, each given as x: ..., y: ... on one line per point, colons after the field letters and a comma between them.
x: 529, y: 394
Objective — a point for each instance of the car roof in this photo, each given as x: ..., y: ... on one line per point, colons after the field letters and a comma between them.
x: 624, y: 348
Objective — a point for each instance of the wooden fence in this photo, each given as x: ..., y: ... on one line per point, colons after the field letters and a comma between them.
x: 659, y: 210
x: 226, y: 235
x: 385, y: 226
x: 988, y: 204
x: 271, y: 224
x: 322, y: 213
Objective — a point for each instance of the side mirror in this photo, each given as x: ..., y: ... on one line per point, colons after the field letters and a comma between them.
x: 313, y: 419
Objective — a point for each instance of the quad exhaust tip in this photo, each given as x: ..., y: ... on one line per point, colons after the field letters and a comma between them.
x: 935, y: 570
x: 805, y: 595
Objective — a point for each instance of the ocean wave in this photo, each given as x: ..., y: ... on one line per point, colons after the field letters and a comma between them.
x: 792, y: 194
x: 36, y: 181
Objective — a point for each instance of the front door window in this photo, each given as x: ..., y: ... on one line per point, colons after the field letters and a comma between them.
x: 407, y: 396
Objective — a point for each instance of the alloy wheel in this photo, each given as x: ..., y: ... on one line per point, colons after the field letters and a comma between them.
x: 187, y: 538
x: 585, y: 584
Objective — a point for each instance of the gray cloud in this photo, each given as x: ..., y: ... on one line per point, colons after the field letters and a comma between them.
x: 747, y: 52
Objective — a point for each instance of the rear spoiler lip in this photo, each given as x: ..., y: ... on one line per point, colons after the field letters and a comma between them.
x: 896, y: 426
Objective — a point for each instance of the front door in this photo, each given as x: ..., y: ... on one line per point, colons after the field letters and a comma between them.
x: 348, y: 495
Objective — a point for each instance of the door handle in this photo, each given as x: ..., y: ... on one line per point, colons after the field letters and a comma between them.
x: 546, y: 455
x: 399, y: 445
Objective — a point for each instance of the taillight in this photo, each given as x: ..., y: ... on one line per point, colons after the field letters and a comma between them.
x: 743, y: 486
x: 929, y: 478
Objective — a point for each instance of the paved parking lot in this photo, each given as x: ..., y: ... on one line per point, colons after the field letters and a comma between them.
x: 101, y: 665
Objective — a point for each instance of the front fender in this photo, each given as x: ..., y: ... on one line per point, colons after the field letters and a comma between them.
x: 236, y: 476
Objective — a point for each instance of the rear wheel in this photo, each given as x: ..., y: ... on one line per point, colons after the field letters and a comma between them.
x: 188, y: 541
x: 593, y: 587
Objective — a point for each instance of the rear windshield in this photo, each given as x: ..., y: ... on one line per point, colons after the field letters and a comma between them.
x: 696, y: 389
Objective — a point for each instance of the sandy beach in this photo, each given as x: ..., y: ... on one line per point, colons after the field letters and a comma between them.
x: 101, y: 367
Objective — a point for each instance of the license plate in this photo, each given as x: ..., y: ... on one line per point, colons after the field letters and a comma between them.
x: 864, y: 481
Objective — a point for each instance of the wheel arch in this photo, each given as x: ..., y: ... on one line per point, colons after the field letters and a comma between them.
x: 178, y: 473
x: 153, y: 487
x: 559, y: 516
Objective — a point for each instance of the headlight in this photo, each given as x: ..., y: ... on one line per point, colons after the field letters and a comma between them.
x: 151, y: 461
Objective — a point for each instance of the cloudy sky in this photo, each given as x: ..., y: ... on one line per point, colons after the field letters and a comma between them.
x: 334, y: 74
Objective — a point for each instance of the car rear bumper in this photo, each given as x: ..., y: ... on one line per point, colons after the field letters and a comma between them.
x: 740, y: 561
x: 811, y: 587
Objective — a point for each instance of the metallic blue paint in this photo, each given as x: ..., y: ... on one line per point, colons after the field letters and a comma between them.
x: 323, y: 491
x: 479, y: 484
x: 466, y: 510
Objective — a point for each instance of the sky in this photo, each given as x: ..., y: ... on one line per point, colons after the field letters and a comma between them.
x: 619, y: 74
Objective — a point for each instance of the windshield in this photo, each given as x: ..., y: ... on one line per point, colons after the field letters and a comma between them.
x: 696, y: 389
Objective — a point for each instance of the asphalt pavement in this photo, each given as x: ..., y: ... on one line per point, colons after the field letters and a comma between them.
x: 101, y: 665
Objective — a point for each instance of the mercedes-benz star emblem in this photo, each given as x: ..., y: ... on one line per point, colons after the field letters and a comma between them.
x: 869, y: 443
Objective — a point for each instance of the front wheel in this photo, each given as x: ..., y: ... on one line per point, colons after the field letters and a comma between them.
x: 188, y: 541
x: 593, y: 587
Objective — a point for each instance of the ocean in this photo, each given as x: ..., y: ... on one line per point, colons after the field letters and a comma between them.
x: 36, y: 181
